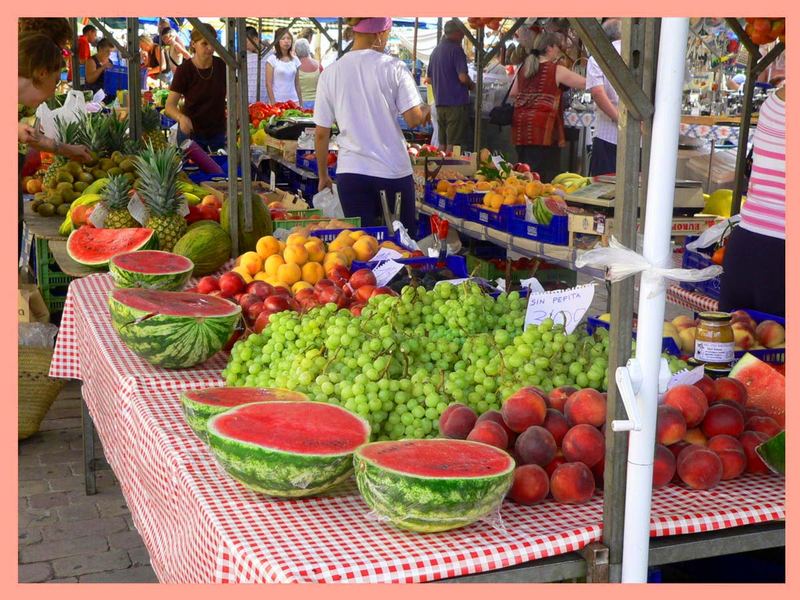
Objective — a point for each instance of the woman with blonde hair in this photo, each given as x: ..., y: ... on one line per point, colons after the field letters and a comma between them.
x: 364, y: 93
x: 537, y: 129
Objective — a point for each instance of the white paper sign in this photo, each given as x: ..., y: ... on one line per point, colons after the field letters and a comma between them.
x: 138, y: 209
x: 386, y: 271
x: 386, y: 254
x: 532, y: 284
x: 563, y: 306
x: 498, y: 162
x: 687, y: 377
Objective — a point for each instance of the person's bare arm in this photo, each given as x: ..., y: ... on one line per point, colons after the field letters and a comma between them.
x: 604, y: 103
x: 419, y: 115
x: 28, y: 135
x: 569, y: 78
x: 93, y: 72
x: 182, y: 49
x: 322, y: 138
x: 297, y: 87
x: 173, y: 112
x: 270, y: 74
x: 466, y: 81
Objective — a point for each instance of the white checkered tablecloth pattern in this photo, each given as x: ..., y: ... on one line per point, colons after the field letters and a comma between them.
x: 199, y: 525
x: 692, y: 300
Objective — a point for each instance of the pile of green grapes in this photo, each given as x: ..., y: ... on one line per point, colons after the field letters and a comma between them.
x: 407, y: 357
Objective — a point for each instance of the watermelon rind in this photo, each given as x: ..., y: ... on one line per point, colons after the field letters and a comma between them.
x: 173, y: 280
x: 171, y: 341
x: 429, y: 504
x: 280, y: 473
x: 199, y: 405
x: 773, y: 453
x: 80, y: 241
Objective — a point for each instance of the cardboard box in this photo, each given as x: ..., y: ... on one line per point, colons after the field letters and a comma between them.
x: 31, y: 306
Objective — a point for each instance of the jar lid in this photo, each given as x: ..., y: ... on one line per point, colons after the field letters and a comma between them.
x: 716, y: 317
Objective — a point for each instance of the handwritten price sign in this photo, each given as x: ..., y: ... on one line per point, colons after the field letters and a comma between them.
x: 563, y: 306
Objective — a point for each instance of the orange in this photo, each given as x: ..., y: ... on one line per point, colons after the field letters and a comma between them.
x: 250, y: 261
x: 268, y: 246
x: 272, y: 263
x: 33, y: 185
x: 289, y: 273
x: 313, y: 272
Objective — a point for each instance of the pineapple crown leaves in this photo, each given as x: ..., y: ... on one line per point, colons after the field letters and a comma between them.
x: 158, y: 172
x: 117, y: 192
x: 151, y: 119
x: 67, y: 132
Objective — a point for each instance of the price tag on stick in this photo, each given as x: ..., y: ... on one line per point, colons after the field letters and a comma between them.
x: 385, y: 272
x: 563, y: 306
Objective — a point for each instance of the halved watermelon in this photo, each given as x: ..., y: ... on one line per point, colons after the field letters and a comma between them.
x: 172, y: 329
x: 287, y: 449
x: 94, y: 247
x: 433, y: 485
x: 766, y: 388
x: 150, y: 269
x: 200, y: 405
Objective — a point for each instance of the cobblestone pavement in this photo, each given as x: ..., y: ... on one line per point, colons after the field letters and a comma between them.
x: 66, y: 536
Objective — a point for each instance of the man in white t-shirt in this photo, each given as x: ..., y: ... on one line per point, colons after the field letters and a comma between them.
x: 604, y: 143
x: 364, y: 93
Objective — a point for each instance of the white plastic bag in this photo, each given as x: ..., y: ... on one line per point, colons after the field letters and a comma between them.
x: 622, y: 262
x: 328, y: 202
x: 74, y: 107
x: 713, y: 234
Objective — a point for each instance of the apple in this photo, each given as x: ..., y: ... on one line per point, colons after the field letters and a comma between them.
x: 339, y: 275
x: 364, y: 293
x: 207, y: 284
x: 332, y: 295
x: 231, y: 284
x: 260, y: 288
x: 380, y: 291
x: 262, y: 321
x: 247, y: 300
x: 254, y: 310
x: 362, y: 277
x: 281, y: 291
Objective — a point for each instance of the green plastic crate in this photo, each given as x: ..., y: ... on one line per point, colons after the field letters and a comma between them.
x: 52, y: 282
x: 286, y: 224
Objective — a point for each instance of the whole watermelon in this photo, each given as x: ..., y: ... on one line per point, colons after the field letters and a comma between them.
x: 207, y: 246
x: 262, y: 222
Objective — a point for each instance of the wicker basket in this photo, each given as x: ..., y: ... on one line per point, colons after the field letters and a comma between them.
x: 37, y: 391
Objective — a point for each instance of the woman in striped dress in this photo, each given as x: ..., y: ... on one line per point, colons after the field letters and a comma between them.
x: 755, y: 260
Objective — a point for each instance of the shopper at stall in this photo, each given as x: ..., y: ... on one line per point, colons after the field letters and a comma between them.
x: 150, y: 56
x: 173, y: 53
x: 85, y: 42
x: 201, y: 82
x: 363, y: 93
x: 604, y: 143
x: 537, y: 129
x: 754, y: 266
x: 447, y: 71
x: 308, y: 72
x: 283, y: 76
x: 256, y: 52
x: 97, y: 66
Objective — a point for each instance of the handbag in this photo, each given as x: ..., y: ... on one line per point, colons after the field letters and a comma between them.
x: 503, y: 114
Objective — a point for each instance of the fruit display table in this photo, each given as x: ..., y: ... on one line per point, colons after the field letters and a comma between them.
x: 58, y: 248
x: 37, y: 233
x: 199, y: 525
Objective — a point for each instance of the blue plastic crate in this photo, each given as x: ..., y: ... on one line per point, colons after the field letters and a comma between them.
x: 668, y: 345
x: 557, y: 232
x: 199, y: 176
x: 115, y: 78
x: 379, y: 233
x: 498, y: 219
x: 458, y: 206
x: 166, y: 122
x: 699, y: 260
x: 311, y: 164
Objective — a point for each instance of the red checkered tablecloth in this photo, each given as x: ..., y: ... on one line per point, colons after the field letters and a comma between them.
x: 692, y: 300
x: 199, y: 525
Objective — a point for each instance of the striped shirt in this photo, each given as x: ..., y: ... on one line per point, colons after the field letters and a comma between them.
x: 604, y: 127
x: 765, y: 209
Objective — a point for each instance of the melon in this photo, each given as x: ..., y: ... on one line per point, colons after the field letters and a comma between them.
x: 207, y: 246
x: 262, y: 222
x: 150, y: 269
x: 94, y: 247
x: 766, y: 387
x: 433, y: 485
x: 172, y: 329
x: 287, y: 449
x: 200, y: 405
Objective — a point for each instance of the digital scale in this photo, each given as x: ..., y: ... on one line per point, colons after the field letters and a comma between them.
x: 603, y: 190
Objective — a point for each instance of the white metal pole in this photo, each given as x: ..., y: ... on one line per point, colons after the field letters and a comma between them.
x: 660, y: 196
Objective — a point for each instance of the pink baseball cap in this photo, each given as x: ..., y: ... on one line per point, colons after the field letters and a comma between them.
x: 373, y: 25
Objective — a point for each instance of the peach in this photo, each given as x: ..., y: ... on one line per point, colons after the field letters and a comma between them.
x: 687, y: 339
x: 312, y: 272
x: 490, y: 433
x: 598, y: 471
x: 677, y: 447
x: 670, y: 425
x: 663, y: 466
x: 271, y: 265
x: 251, y: 261
x: 365, y: 248
x: 295, y: 254
x: 556, y: 423
x: 749, y: 440
x: 289, y: 274
x: 731, y: 453
x: 497, y: 417
x: 727, y: 388
x: 572, y: 483
x: 695, y: 436
x: 766, y: 425
x: 743, y: 338
x: 770, y: 333
x: 535, y: 445
x: 268, y: 246
x: 332, y: 259
x: 301, y: 285
x: 584, y: 443
x: 690, y: 401
x: 722, y: 419
x: 522, y: 409
x: 296, y: 238
x: 457, y: 421
x: 700, y: 469
x: 683, y: 322
x: 557, y: 397
x: 732, y: 404
x: 706, y: 385
x: 244, y: 272
x: 316, y: 249
x: 349, y: 255
x: 558, y: 460
x: 742, y: 316
x: 531, y: 485
x: 586, y: 406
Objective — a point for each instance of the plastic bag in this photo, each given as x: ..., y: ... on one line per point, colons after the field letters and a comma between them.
x: 74, y: 107
x: 714, y: 234
x: 405, y: 240
x: 622, y: 262
x: 37, y: 335
x: 328, y: 202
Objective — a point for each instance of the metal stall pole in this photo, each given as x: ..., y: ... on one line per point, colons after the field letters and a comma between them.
x: 244, y: 127
x: 74, y: 61
x: 258, y: 64
x: 652, y: 298
x: 233, y: 162
x: 652, y: 30
x: 339, y: 37
x: 478, y: 88
x: 438, y: 30
x: 414, y: 50
x: 634, y: 107
x: 134, y: 80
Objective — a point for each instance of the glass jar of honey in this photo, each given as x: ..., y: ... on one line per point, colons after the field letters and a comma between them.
x: 714, y: 344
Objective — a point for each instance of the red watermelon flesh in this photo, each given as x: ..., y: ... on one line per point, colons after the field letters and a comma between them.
x: 556, y: 205
x: 153, y: 262
x: 235, y: 396
x: 439, y: 458
x: 766, y: 388
x: 176, y: 304
x: 310, y: 428
x: 94, y: 247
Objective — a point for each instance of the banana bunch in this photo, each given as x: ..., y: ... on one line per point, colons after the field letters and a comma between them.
x: 572, y: 182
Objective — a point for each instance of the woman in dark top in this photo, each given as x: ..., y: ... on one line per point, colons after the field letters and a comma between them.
x: 97, y: 66
x: 201, y: 82
x: 150, y: 56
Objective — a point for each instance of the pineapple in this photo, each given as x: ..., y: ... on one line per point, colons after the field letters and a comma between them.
x: 94, y: 133
x: 116, y: 134
x: 151, y: 128
x: 66, y: 133
x: 158, y: 172
x: 116, y: 196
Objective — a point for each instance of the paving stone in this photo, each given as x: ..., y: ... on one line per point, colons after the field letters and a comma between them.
x: 67, y: 484
x: 45, y: 446
x: 49, y: 499
x: 94, y: 563
x: 67, y: 456
x: 36, y: 518
x: 125, y: 540
x: 132, y: 575
x: 78, y: 512
x: 97, y: 527
x: 29, y: 462
x: 44, y: 472
x: 34, y: 572
x: 113, y: 507
x: 29, y: 536
x: 33, y: 487
x: 63, y: 580
x: 50, y: 550
x: 139, y: 556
